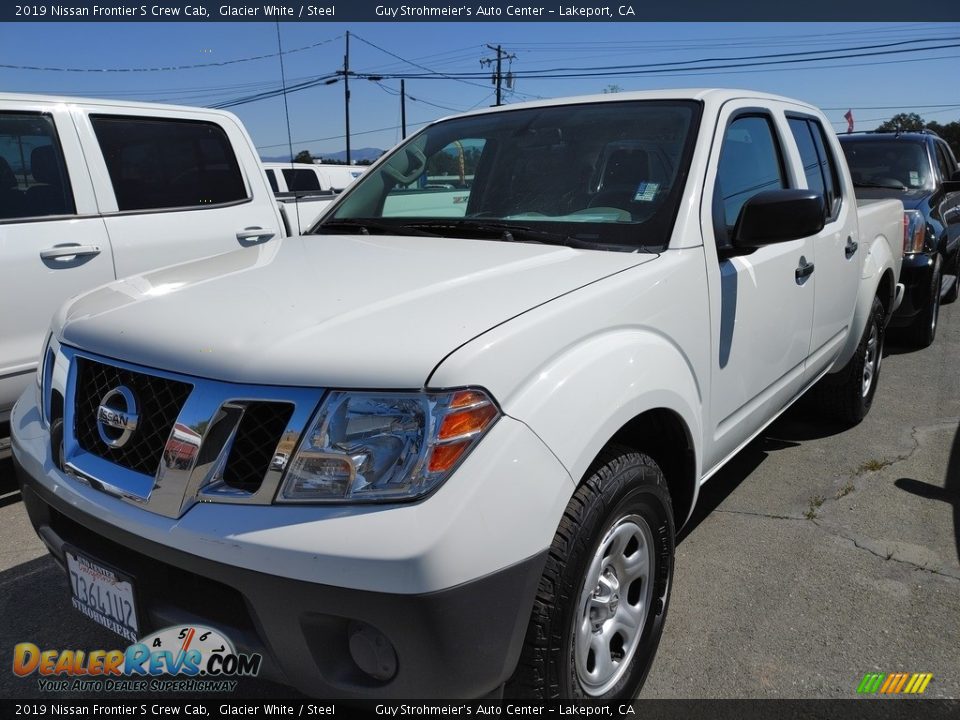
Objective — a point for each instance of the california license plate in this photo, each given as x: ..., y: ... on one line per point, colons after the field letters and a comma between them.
x: 103, y: 594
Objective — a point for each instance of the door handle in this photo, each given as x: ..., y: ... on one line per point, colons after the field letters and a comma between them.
x: 258, y: 234
x: 803, y: 271
x: 65, y: 251
x: 851, y: 248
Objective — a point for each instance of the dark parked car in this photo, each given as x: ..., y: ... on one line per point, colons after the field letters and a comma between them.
x: 919, y: 169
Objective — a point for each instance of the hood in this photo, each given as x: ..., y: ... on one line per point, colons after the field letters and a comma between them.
x: 911, y: 199
x: 327, y: 310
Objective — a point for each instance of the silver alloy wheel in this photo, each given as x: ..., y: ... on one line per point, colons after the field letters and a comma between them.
x: 871, y: 362
x: 615, y: 599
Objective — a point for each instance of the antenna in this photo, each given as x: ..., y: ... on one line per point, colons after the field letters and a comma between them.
x: 286, y: 112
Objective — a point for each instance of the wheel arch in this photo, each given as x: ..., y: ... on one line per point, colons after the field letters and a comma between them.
x: 663, y: 435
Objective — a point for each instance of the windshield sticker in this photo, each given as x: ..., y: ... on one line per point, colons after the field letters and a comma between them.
x: 646, y: 192
x: 914, y: 177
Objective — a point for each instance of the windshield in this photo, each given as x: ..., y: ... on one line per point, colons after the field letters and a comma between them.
x: 894, y: 164
x: 600, y: 175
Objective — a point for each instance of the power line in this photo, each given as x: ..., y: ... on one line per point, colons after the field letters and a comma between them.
x: 170, y: 67
x: 683, y: 66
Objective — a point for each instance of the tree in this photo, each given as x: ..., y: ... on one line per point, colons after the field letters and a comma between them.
x: 610, y: 89
x: 303, y: 156
x: 904, y: 122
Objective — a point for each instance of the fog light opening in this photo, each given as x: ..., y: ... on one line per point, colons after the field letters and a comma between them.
x: 371, y: 651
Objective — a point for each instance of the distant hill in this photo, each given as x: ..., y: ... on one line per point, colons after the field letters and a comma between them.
x: 355, y: 155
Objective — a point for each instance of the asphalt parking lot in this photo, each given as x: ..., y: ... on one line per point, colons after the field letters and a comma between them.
x: 817, y: 556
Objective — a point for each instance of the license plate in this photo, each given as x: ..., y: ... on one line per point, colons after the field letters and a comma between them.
x: 103, y: 594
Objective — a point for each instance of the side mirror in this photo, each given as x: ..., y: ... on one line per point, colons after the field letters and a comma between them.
x: 778, y: 216
x: 956, y: 175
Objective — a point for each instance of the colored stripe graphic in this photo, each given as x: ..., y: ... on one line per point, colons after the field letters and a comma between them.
x: 894, y: 683
x: 870, y: 683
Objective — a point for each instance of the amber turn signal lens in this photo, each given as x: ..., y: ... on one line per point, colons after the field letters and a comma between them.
x: 466, y: 422
x: 466, y: 398
x: 445, y: 457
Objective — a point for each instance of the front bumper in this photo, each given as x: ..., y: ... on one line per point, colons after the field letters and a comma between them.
x: 267, y: 577
x: 916, y: 273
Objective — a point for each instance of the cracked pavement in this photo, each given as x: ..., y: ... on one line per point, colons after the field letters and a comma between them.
x: 828, y: 553
x: 818, y: 554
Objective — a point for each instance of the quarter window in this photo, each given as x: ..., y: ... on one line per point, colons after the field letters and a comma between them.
x: 750, y: 163
x: 33, y: 176
x: 157, y: 163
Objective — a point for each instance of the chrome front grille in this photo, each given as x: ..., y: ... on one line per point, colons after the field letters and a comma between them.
x: 184, y: 440
x: 160, y: 401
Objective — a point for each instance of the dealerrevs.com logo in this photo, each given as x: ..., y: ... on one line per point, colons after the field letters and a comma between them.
x: 190, y: 658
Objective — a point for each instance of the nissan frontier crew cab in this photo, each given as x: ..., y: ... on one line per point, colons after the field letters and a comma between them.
x: 496, y: 399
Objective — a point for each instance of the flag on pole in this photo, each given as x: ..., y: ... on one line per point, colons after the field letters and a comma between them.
x: 849, y: 118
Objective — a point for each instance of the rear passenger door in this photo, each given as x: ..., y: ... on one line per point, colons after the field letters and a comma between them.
x: 52, y: 243
x: 179, y: 191
x: 838, y: 256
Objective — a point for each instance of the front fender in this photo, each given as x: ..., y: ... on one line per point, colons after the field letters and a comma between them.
x: 579, y: 400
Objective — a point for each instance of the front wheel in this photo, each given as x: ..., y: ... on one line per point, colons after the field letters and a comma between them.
x: 603, y: 596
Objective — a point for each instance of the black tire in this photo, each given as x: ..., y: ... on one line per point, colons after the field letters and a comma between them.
x: 954, y: 291
x: 844, y: 395
x: 924, y: 329
x: 624, y: 491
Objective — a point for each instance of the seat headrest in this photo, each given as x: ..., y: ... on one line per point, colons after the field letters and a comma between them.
x: 43, y: 165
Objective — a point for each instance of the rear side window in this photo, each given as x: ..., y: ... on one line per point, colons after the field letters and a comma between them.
x: 819, y: 166
x: 157, y: 163
x: 33, y: 176
x: 945, y: 163
x: 812, y: 169
x: 750, y: 163
x: 272, y: 179
x: 301, y: 180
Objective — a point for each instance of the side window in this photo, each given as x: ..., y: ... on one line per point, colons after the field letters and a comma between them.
x: 943, y: 161
x: 272, y: 179
x: 831, y: 178
x: 299, y: 180
x: 33, y: 176
x: 819, y: 166
x: 750, y: 163
x: 812, y: 168
x: 157, y: 163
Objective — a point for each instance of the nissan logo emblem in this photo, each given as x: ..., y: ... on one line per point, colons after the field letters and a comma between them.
x: 117, y: 416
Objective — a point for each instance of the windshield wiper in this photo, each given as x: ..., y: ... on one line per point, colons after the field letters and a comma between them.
x: 883, y: 186
x: 511, y: 233
x: 364, y: 226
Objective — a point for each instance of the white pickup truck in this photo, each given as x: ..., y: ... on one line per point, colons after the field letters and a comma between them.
x: 93, y: 190
x: 305, y: 190
x: 492, y: 423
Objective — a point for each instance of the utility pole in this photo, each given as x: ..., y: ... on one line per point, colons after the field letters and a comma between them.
x: 403, y: 111
x: 498, y: 75
x: 346, y: 92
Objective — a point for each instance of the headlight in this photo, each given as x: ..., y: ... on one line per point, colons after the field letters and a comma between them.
x: 366, y: 447
x: 914, y: 231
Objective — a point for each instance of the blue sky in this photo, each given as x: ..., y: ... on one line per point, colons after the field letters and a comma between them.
x: 874, y: 87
